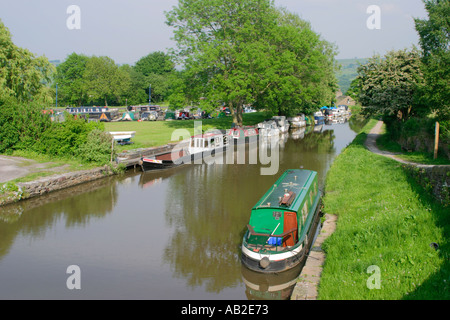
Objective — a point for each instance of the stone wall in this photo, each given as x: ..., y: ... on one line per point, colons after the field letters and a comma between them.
x: 61, y: 181
x: 435, y: 179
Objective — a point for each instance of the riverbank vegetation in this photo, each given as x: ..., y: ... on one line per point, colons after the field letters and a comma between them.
x: 390, y: 231
x: 409, y: 88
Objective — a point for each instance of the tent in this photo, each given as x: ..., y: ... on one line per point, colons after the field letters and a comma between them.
x: 128, y: 116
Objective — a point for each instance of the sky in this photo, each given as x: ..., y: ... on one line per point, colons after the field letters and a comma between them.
x: 126, y: 30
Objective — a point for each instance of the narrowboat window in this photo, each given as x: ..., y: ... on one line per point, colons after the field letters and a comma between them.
x: 311, y: 197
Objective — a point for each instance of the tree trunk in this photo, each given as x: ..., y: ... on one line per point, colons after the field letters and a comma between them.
x: 236, y: 113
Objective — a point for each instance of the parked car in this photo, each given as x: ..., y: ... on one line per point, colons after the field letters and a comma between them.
x: 149, y: 116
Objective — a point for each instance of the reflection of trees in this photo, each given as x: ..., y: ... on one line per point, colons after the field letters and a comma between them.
x: 314, y: 152
x: 357, y: 122
x: 76, y: 205
x: 209, y: 208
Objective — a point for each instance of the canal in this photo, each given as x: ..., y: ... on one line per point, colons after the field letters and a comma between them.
x: 172, y: 234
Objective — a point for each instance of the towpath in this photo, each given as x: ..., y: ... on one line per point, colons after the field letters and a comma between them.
x: 308, y: 281
x: 16, y: 167
x: 371, y: 145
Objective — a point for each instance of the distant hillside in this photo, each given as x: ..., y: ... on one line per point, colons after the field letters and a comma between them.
x: 348, y: 72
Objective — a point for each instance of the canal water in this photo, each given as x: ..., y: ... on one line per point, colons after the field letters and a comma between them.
x: 172, y: 234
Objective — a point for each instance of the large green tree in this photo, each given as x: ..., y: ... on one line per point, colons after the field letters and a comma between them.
x: 70, y: 81
x: 22, y: 75
x: 104, y: 80
x: 389, y: 85
x: 247, y: 52
x: 434, y: 38
x: 155, y: 63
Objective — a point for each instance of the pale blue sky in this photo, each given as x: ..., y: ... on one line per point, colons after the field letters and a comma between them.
x: 128, y: 30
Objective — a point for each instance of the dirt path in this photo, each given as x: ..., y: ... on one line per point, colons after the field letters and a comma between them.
x: 371, y: 144
x: 15, y: 167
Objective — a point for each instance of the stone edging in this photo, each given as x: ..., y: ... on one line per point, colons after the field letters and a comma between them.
x: 57, y: 182
x: 308, y: 281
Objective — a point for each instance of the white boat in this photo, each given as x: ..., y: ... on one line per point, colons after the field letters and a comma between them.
x: 122, y: 137
x: 282, y: 123
x: 207, y: 143
x: 298, y: 121
x: 268, y: 129
x: 199, y: 146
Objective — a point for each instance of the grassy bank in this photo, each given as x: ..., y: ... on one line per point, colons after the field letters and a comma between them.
x: 385, y: 142
x: 386, y: 220
x: 158, y: 133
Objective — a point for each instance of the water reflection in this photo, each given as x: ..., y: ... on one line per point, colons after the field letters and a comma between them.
x: 173, y: 234
x: 277, y: 286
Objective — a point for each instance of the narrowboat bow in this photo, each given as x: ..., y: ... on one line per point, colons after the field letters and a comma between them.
x: 283, y: 223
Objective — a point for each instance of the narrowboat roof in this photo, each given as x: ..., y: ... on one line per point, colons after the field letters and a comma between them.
x: 296, y: 181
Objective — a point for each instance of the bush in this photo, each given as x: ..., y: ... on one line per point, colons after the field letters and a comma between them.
x: 21, y: 125
x: 97, y: 148
x: 63, y: 139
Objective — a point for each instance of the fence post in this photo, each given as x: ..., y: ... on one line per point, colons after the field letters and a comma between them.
x: 436, y: 140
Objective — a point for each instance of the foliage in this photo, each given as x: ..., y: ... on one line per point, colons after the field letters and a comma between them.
x: 70, y: 81
x: 248, y: 52
x: 105, y: 80
x: 388, y: 86
x: 22, y: 75
x: 21, y: 124
x: 66, y: 139
x: 434, y: 38
x: 97, y: 147
x: 155, y: 63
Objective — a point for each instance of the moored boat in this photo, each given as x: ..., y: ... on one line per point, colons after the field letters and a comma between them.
x: 165, y: 160
x: 243, y: 133
x: 297, y: 122
x: 283, y: 223
x: 199, y: 146
x: 319, y: 117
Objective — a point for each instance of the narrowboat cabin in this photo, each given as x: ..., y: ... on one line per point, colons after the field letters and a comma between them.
x: 199, y: 146
x: 165, y: 160
x: 283, y: 223
x: 243, y: 134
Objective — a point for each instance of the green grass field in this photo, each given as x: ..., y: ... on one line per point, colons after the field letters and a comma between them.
x: 157, y: 133
x: 386, y: 222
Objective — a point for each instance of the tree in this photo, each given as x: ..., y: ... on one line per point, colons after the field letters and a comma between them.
x: 22, y: 75
x: 136, y: 92
x: 104, y: 80
x: 434, y: 38
x: 155, y: 63
x: 247, y: 52
x: 302, y: 68
x: 70, y: 81
x: 389, y: 85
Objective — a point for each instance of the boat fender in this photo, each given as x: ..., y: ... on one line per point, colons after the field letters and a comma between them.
x: 141, y: 162
x: 264, y: 263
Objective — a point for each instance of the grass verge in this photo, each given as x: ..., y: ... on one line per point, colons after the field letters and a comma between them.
x: 384, y: 142
x: 386, y: 223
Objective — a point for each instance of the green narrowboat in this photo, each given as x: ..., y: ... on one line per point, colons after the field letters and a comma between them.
x: 283, y: 223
